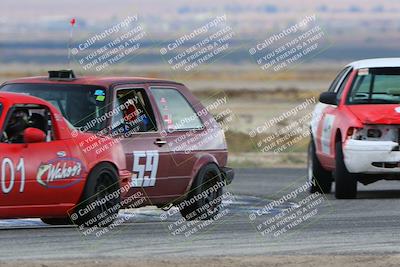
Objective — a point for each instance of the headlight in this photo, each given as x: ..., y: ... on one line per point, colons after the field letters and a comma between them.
x: 375, y: 133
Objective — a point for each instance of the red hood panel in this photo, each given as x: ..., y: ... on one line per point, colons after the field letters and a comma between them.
x: 376, y: 114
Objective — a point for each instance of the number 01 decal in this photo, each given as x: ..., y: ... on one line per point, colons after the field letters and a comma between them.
x: 145, y: 166
x: 8, y: 181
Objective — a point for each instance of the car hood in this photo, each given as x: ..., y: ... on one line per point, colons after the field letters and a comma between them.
x: 377, y: 114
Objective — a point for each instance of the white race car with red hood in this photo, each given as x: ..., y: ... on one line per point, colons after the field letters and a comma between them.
x: 356, y: 128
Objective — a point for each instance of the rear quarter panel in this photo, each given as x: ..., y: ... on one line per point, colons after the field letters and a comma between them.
x: 209, y: 146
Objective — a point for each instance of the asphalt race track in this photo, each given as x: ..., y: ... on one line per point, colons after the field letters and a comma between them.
x: 367, y: 225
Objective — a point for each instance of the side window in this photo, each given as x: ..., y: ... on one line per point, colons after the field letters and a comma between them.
x: 132, y: 112
x: 343, y: 84
x: 334, y: 85
x: 176, y: 112
x: 23, y: 117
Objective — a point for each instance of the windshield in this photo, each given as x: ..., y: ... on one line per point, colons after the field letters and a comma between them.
x: 79, y: 104
x: 376, y: 86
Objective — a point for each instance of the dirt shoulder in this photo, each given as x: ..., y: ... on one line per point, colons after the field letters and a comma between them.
x: 244, y: 261
x: 268, y: 160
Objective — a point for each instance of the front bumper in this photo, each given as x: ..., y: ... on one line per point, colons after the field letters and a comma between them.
x: 227, y: 174
x: 372, y: 157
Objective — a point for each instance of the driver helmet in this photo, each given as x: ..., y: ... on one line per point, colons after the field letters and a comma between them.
x: 18, y: 122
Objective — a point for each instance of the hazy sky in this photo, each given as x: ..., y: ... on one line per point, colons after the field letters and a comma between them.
x: 165, y: 18
x: 92, y: 10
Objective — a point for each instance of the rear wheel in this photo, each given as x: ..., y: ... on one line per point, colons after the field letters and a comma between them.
x: 205, y: 196
x: 345, y: 182
x: 320, y: 179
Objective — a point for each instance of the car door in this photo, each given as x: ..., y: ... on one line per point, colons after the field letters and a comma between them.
x: 40, y: 174
x: 52, y: 173
x: 136, y: 123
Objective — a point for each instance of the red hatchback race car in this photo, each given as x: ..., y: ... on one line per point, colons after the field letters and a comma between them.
x: 174, y: 147
x: 356, y: 128
x: 43, y: 171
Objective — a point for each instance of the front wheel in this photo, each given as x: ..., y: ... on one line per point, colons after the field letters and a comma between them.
x: 100, y: 201
x: 345, y: 182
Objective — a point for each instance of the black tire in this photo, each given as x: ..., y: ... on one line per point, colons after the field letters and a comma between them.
x: 203, y: 208
x: 345, y: 182
x: 102, y: 182
x: 320, y: 179
x: 57, y: 221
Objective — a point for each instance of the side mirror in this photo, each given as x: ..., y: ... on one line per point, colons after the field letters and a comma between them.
x: 328, y: 98
x: 34, y: 135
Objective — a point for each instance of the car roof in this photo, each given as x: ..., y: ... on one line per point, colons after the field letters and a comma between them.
x: 376, y: 63
x: 18, y: 98
x: 92, y: 80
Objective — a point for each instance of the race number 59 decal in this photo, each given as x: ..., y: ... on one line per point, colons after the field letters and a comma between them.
x: 8, y: 181
x: 145, y: 166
